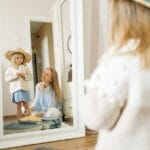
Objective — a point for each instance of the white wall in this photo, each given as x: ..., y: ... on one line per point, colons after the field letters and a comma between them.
x: 103, y: 25
x: 95, y: 36
x: 87, y: 36
x: 95, y: 32
x: 12, y: 32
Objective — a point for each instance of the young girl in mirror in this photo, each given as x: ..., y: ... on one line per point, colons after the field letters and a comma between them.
x: 48, y: 101
x: 18, y: 76
x: 117, y: 101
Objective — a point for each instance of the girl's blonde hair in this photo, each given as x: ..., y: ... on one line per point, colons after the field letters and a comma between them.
x: 131, y: 20
x: 55, y: 84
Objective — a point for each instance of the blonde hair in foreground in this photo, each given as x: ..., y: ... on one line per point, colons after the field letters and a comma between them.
x: 131, y: 20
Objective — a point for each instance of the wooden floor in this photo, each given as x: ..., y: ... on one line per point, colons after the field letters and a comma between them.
x: 86, y: 143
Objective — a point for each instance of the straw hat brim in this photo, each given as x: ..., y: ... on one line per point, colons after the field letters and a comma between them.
x: 143, y: 2
x: 27, y: 56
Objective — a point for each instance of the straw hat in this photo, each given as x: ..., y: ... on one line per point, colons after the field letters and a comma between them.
x: 27, y: 56
x: 143, y: 2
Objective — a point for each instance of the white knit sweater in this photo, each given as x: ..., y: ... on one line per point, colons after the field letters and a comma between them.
x: 16, y: 83
x: 117, y: 102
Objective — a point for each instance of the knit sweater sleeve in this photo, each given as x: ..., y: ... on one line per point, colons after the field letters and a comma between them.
x: 10, y: 74
x: 106, y: 92
x: 26, y: 71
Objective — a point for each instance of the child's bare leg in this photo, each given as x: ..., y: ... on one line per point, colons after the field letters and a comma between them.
x: 19, y: 112
x: 27, y: 109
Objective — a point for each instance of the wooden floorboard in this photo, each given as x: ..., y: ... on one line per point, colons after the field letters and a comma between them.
x: 85, y: 143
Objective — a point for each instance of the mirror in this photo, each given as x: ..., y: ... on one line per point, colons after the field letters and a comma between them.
x: 54, y: 41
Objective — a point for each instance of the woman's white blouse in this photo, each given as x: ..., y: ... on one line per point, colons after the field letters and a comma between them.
x: 45, y: 99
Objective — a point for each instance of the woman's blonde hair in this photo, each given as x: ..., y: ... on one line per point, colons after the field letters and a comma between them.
x: 55, y: 84
x: 131, y: 20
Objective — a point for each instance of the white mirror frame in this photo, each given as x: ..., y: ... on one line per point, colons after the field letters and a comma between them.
x: 78, y: 129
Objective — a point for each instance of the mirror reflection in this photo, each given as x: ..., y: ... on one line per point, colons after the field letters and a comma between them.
x: 42, y: 47
x: 51, y: 92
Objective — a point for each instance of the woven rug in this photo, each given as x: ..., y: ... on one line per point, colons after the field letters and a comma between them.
x: 15, y: 127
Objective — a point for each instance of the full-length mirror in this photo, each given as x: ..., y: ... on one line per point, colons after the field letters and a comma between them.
x: 44, y: 93
x: 54, y: 88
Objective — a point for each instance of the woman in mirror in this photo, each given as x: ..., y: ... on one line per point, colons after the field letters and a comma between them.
x: 18, y: 76
x: 117, y: 102
x: 48, y: 99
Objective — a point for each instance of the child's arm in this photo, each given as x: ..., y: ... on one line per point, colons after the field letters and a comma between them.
x: 22, y: 75
x: 27, y: 76
x: 10, y: 75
